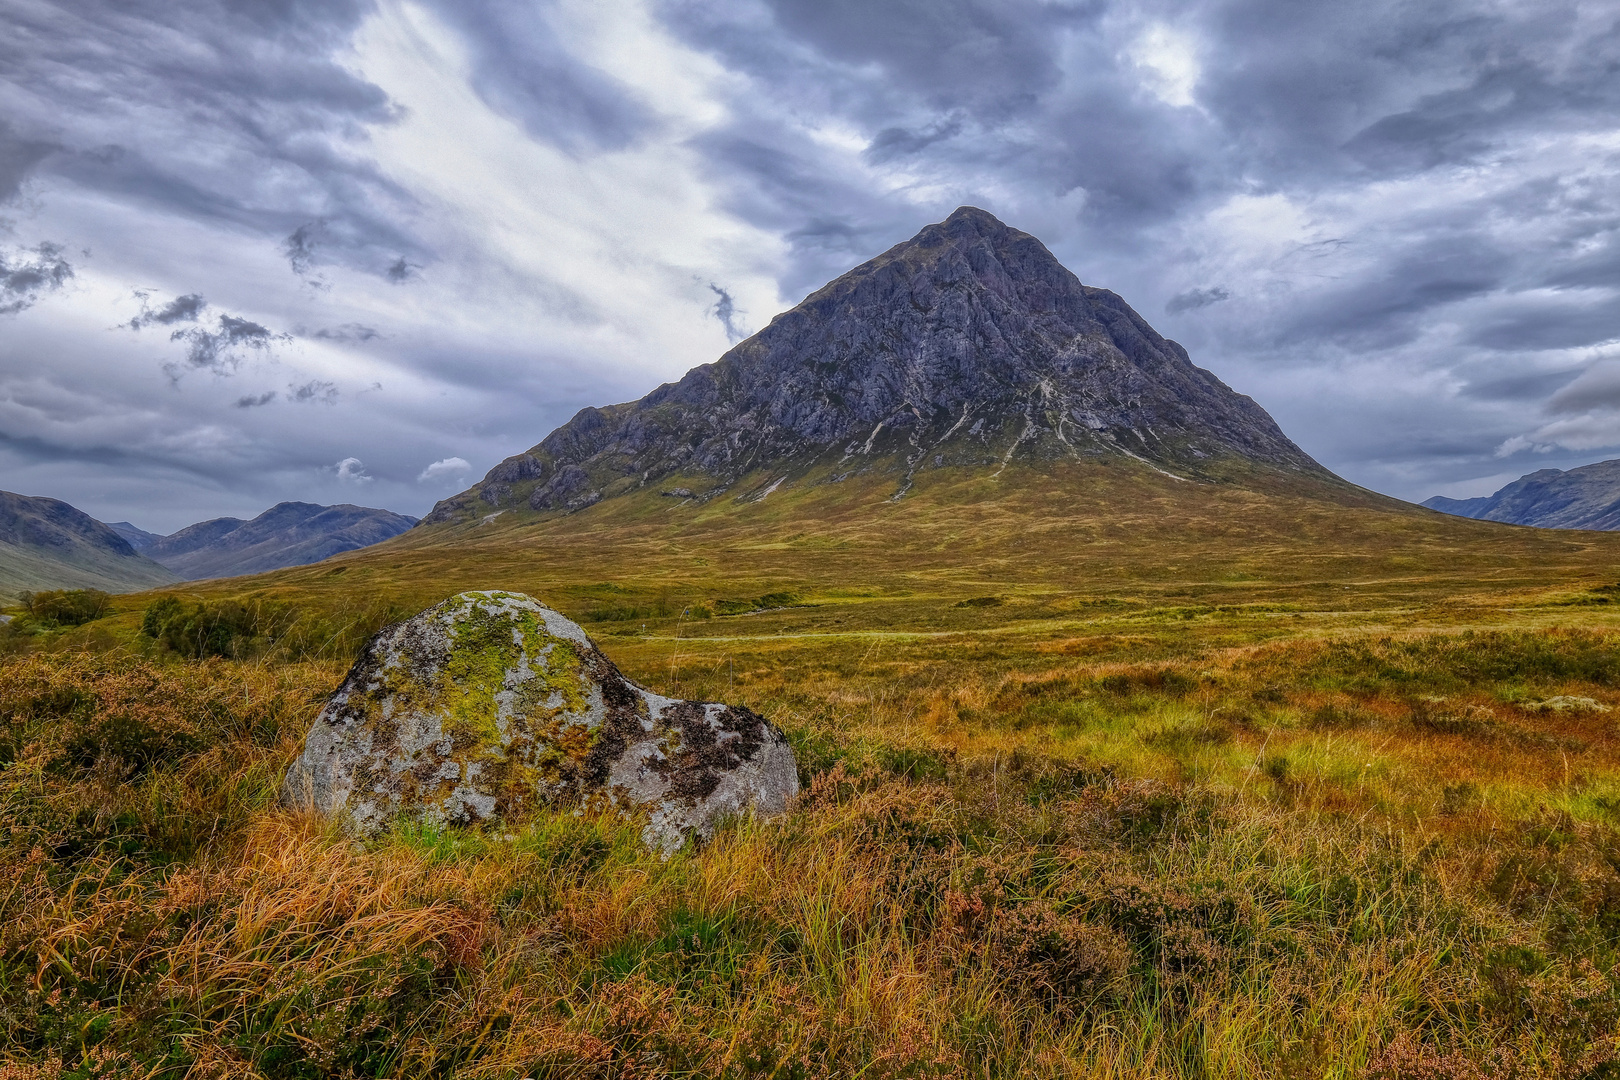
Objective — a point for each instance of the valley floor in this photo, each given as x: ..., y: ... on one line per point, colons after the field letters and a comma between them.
x: 1276, y: 799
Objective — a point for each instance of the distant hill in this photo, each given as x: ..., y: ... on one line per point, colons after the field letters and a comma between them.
x: 48, y: 544
x: 139, y: 539
x: 1583, y: 498
x: 966, y: 347
x: 287, y: 534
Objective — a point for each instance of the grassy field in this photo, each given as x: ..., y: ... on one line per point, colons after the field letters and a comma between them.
x: 1107, y: 774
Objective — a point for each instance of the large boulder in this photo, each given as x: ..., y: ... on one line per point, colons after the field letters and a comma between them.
x: 491, y: 704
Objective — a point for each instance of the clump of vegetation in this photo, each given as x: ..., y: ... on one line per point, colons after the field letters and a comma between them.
x: 261, y: 627
x: 767, y: 602
x: 57, y: 608
x: 212, y: 628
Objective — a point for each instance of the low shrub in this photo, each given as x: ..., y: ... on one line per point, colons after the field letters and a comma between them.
x: 259, y: 626
x: 1057, y: 957
x: 66, y: 607
x: 208, y: 628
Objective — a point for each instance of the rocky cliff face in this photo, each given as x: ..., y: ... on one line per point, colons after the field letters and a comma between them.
x: 1583, y: 498
x: 965, y: 346
x: 287, y: 534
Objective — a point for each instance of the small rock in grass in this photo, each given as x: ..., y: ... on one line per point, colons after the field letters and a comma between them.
x: 1566, y: 703
x: 491, y: 704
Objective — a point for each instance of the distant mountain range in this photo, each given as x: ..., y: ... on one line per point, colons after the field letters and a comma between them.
x: 48, y: 544
x: 287, y: 534
x: 1583, y: 498
x: 964, y: 347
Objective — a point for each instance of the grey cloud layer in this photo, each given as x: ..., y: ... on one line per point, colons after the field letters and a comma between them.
x: 1396, y: 225
x: 233, y: 113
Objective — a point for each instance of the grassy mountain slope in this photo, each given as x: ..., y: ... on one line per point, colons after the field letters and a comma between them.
x: 48, y: 544
x: 1042, y: 528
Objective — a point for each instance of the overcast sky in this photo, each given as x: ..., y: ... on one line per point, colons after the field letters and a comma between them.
x: 344, y: 251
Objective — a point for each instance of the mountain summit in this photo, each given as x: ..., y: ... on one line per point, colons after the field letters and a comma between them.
x: 964, y: 346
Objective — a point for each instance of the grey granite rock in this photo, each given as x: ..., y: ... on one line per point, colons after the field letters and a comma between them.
x: 965, y: 346
x: 491, y: 704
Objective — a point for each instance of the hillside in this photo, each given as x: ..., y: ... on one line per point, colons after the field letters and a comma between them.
x: 967, y: 346
x: 1583, y: 498
x: 138, y: 538
x: 48, y: 544
x: 287, y: 534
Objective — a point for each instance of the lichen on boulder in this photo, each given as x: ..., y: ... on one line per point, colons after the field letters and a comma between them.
x: 490, y: 705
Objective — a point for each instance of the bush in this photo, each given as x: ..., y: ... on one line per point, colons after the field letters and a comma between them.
x: 215, y: 628
x: 1057, y: 957
x: 260, y: 627
x: 66, y: 607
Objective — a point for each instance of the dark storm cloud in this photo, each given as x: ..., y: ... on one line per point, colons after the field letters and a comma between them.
x: 898, y: 142
x: 300, y: 247
x: 1517, y: 386
x: 222, y: 349
x: 992, y: 57
x: 253, y: 401
x: 1193, y: 299
x: 346, y: 332
x: 316, y: 390
x: 1598, y: 387
x: 1550, y: 321
x: 30, y: 273
x: 18, y: 157
x: 187, y: 308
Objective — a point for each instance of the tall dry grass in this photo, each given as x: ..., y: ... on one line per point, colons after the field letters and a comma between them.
x: 1068, y: 867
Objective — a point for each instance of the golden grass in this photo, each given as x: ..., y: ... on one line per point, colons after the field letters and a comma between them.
x: 1106, y: 775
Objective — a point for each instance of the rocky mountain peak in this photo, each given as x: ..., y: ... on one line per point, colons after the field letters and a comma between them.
x: 967, y: 345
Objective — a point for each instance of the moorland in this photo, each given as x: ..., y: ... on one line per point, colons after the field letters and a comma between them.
x: 1105, y: 774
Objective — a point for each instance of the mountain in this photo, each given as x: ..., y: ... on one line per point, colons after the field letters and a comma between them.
x: 1583, y: 498
x: 287, y: 534
x: 139, y: 539
x: 1468, y: 508
x: 48, y: 544
x: 967, y: 345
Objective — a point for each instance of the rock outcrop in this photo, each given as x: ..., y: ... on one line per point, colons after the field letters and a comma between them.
x: 965, y: 346
x: 491, y: 704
